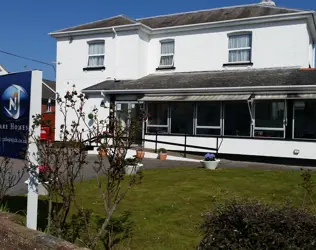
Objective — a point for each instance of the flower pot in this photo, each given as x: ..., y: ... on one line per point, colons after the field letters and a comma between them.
x: 133, y: 169
x: 102, y: 152
x: 212, y: 165
x: 140, y: 154
x: 163, y: 156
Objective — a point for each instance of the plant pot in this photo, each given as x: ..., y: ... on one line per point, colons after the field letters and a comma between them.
x: 163, y: 156
x: 140, y: 154
x: 133, y: 169
x: 212, y: 165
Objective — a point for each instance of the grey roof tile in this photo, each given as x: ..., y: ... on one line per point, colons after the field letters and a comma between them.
x: 215, y: 79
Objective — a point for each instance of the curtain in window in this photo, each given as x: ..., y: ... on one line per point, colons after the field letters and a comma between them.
x: 240, y: 41
x: 240, y: 48
x: 167, y: 48
x: 96, y: 48
x: 96, y: 61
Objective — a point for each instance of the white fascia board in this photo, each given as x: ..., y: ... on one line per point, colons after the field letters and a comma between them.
x: 98, y: 30
x: 251, y: 89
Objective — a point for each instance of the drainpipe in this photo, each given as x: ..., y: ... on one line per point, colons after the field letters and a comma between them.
x: 116, y: 53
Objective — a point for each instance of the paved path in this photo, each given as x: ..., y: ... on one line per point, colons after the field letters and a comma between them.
x: 89, y: 173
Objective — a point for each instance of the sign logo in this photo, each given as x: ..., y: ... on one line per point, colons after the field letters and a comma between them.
x: 14, y: 99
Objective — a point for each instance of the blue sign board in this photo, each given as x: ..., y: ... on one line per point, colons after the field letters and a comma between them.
x: 15, y: 90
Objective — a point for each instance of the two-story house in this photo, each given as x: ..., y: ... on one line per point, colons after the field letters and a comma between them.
x: 240, y: 78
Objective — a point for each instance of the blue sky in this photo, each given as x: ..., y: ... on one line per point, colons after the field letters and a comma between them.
x: 25, y: 24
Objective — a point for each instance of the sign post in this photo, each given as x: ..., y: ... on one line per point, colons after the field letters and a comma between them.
x: 21, y: 98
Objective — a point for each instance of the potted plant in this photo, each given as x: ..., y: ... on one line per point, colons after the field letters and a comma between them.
x: 140, y: 153
x: 132, y: 166
x: 210, y: 162
x: 162, y: 153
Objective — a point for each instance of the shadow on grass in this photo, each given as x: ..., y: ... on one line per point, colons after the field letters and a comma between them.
x: 18, y: 205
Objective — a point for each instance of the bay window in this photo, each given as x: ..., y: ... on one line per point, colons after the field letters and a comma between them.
x: 237, y: 120
x: 157, y: 118
x: 304, y: 119
x: 270, y: 118
x: 208, y: 118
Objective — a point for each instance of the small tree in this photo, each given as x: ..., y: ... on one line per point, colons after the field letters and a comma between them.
x: 9, y: 176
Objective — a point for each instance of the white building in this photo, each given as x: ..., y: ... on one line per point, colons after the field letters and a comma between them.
x: 239, y: 79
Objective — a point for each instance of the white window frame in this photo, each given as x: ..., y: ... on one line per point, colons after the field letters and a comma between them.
x: 270, y: 128
x: 93, y: 55
x: 241, y: 48
x: 160, y: 126
x: 221, y: 121
x: 167, y: 54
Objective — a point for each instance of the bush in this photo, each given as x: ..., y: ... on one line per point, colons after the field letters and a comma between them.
x: 252, y: 225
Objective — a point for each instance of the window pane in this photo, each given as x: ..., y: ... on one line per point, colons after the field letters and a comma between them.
x: 239, y: 55
x: 305, y: 119
x: 237, y: 119
x: 96, y: 61
x: 167, y: 48
x: 152, y: 130
x: 166, y: 60
x: 269, y: 114
x: 96, y: 48
x: 181, y: 118
x: 240, y: 41
x: 208, y: 131
x: 157, y: 113
x: 208, y: 113
x: 269, y: 133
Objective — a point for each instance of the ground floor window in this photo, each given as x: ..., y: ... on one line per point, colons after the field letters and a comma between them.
x: 157, y: 117
x: 305, y: 119
x: 262, y: 119
x: 208, y: 118
x: 181, y: 117
x: 270, y: 116
x: 237, y: 120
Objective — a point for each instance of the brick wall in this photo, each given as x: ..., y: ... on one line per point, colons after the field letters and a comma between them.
x: 17, y: 237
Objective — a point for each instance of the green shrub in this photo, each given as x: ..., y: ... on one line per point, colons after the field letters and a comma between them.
x: 252, y: 225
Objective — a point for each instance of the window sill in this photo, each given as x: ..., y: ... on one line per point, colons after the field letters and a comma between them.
x: 237, y: 64
x: 94, y: 68
x: 166, y: 68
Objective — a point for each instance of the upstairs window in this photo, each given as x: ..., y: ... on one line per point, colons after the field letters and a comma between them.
x: 96, y: 54
x: 239, y: 48
x: 167, y: 54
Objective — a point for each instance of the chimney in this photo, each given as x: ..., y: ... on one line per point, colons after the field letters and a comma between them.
x: 267, y: 2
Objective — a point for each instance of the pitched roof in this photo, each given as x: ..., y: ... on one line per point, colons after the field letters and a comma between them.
x: 215, y: 79
x: 46, y: 92
x: 105, y: 23
x: 194, y: 17
x: 214, y: 15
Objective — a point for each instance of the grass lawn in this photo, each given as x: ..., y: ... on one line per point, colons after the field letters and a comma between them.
x: 167, y: 207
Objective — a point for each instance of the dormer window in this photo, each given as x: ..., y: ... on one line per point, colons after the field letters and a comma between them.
x: 239, y: 48
x: 96, y: 54
x: 167, y: 54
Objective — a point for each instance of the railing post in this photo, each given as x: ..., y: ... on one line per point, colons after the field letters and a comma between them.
x: 156, y: 140
x: 217, y: 145
x: 185, y: 144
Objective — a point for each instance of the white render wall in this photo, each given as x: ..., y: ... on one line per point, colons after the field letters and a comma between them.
x: 252, y: 147
x: 282, y: 44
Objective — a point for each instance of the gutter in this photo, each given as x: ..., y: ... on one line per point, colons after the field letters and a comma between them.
x: 297, y: 88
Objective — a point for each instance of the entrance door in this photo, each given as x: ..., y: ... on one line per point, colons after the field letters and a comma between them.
x: 130, y: 111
